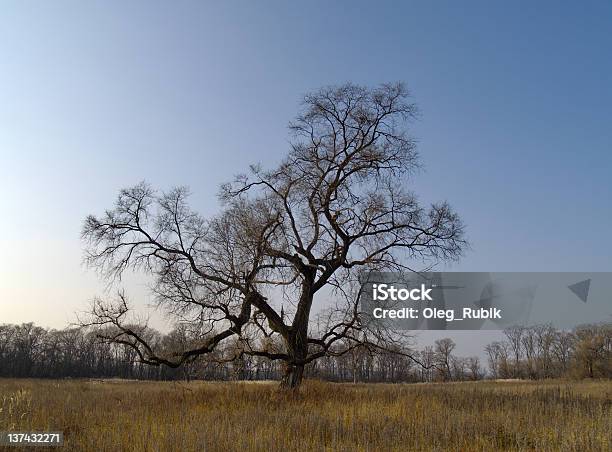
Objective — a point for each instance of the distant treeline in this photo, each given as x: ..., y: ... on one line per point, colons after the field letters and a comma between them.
x: 29, y: 351
x: 542, y: 351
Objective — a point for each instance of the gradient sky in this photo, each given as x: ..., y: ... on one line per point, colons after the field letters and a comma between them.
x: 516, y: 127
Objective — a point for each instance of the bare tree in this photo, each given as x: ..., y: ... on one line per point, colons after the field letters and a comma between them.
x: 562, y: 350
x: 336, y: 207
x: 443, y: 350
x: 529, y: 343
x: 476, y: 371
x: 498, y: 353
x: 593, y: 350
x: 427, y: 356
x: 515, y: 335
x: 545, y: 339
x: 459, y: 368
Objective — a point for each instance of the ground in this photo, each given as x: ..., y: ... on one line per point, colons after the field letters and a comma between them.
x: 201, y: 416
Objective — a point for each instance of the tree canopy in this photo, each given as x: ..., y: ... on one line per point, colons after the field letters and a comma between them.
x: 336, y: 206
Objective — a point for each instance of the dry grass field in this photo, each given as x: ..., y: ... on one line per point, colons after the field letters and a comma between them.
x: 200, y: 416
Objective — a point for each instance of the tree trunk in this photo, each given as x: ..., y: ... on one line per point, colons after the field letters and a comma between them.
x: 293, y: 377
x: 297, y: 342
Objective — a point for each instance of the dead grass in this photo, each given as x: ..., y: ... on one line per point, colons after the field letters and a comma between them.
x: 200, y: 416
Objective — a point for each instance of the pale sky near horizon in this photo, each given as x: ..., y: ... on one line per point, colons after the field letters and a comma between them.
x: 515, y: 132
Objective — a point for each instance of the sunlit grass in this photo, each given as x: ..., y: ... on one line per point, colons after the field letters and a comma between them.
x: 115, y: 415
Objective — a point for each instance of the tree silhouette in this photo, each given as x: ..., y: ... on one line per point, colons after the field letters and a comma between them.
x: 335, y: 208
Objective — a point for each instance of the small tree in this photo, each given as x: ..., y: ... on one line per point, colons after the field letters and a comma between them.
x: 335, y: 207
x: 593, y: 350
x: 475, y: 369
x: 443, y: 355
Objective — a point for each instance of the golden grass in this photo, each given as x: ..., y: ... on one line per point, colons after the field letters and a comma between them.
x: 200, y: 416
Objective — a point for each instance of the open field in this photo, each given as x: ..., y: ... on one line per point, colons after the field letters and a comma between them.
x: 131, y: 415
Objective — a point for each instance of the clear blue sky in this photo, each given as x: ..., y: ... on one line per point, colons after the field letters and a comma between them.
x: 516, y: 127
